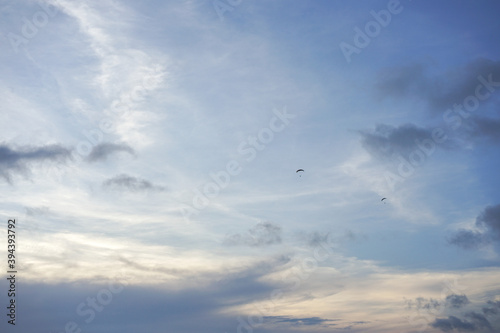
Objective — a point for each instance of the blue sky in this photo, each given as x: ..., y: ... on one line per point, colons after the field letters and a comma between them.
x: 148, y: 152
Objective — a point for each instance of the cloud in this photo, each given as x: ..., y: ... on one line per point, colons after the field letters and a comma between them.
x: 262, y: 234
x: 316, y: 238
x: 451, y: 323
x: 468, y: 239
x: 459, y: 314
x: 385, y: 141
x: 474, y: 322
x: 402, y: 81
x: 488, y: 224
x: 422, y: 303
x: 440, y: 91
x: 492, y: 308
x: 486, y: 128
x: 131, y: 183
x: 479, y: 320
x: 212, y: 305
x: 19, y: 160
x: 309, y: 321
x: 452, y: 301
x: 456, y: 301
x: 490, y: 220
x: 101, y: 151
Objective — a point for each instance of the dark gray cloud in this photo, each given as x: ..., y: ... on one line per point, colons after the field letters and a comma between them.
x: 130, y: 183
x: 490, y: 220
x: 19, y: 160
x: 468, y: 239
x: 453, y: 302
x: 262, y: 234
x: 440, y: 91
x: 386, y: 141
x: 479, y: 320
x: 456, y: 301
x: 421, y: 303
x: 488, y: 224
x: 473, y: 321
x: 460, y: 315
x: 144, y: 307
x: 492, y: 308
x: 309, y: 321
x: 102, y: 151
x: 452, y: 323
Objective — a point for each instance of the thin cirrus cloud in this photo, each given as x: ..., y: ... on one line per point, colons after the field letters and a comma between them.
x: 19, y: 160
x: 131, y: 183
x: 102, y: 151
x: 487, y: 230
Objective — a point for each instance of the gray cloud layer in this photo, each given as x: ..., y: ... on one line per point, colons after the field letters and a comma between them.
x: 19, y: 160
x: 138, y: 308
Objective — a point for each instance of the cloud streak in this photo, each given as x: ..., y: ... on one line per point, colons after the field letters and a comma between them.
x: 133, y: 184
x: 103, y: 151
x: 19, y: 160
x: 262, y: 234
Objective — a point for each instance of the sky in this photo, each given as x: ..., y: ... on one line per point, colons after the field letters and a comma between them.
x: 149, y: 154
